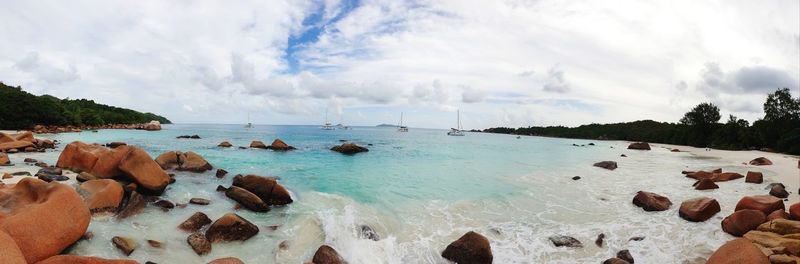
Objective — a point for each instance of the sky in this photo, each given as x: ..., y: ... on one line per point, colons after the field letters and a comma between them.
x: 500, y: 62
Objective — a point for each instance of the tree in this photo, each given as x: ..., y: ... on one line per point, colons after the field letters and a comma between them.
x: 703, y: 114
x: 781, y: 107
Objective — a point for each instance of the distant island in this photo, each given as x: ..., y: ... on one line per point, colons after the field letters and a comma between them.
x: 778, y: 130
x: 22, y: 110
x: 386, y: 125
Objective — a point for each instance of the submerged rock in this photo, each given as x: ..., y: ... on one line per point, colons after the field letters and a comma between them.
x: 609, y: 165
x: 367, y: 232
x: 760, y: 161
x: 742, y: 221
x: 199, y: 243
x: 699, y: 209
x: 754, y: 177
x: 199, y: 201
x: 231, y: 227
x: 599, y: 241
x: 651, y: 201
x: 327, y: 255
x: 349, y: 148
x: 565, y: 241
x: 42, y: 218
x: 221, y: 173
x: 639, y: 146
x: 738, y: 251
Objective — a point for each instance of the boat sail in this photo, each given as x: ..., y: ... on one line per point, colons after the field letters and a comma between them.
x: 249, y: 125
x: 327, y: 125
x: 457, y: 131
x: 401, y: 127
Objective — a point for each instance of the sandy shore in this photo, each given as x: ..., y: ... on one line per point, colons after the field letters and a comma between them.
x: 785, y: 166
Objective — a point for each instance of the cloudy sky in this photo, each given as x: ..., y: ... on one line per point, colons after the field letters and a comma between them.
x: 502, y: 63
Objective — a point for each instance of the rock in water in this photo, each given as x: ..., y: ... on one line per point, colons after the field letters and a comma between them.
x: 279, y: 145
x: 705, y: 184
x: 43, y: 218
x: 738, y: 251
x: 134, y: 206
x: 231, y: 227
x: 469, y: 248
x: 199, y: 243
x: 184, y: 161
x: 247, y: 199
x: 698, y: 209
x: 754, y: 177
x: 651, y: 201
x: 742, y: 221
x: 327, y: 255
x: 221, y: 173
x: 609, y: 165
x: 760, y: 161
x: 366, y: 232
x: 225, y: 144
x: 349, y: 148
x: 794, y: 211
x: 195, y: 222
x: 565, y: 241
x: 639, y: 146
x: 199, y: 201
x: 4, y: 160
x: 268, y: 189
x: 625, y: 255
x: 228, y: 260
x: 258, y: 144
x: 764, y: 203
x: 599, y: 240
x: 779, y: 191
x: 102, y: 195
x: 126, y: 245
x: 615, y: 261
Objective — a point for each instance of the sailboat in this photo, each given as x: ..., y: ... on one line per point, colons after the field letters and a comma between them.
x: 401, y: 127
x: 249, y: 125
x: 457, y: 131
x: 327, y: 125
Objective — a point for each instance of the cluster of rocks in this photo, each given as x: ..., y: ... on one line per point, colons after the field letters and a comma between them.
x: 40, y: 129
x: 189, y: 137
x: 277, y: 145
x: 183, y: 161
x: 13, y: 143
x: 257, y: 193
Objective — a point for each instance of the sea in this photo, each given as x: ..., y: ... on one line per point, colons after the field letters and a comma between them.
x: 419, y: 191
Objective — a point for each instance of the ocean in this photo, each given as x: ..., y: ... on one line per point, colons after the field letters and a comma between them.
x: 421, y: 190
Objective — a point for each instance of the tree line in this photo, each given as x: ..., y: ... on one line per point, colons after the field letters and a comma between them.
x: 22, y: 110
x: 778, y: 130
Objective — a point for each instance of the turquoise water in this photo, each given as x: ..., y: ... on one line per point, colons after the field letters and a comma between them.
x: 420, y: 191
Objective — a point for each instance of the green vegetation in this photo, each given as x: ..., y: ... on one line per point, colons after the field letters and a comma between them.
x: 778, y: 130
x: 22, y: 110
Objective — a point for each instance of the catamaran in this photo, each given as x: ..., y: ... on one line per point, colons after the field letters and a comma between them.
x: 401, y: 127
x: 327, y: 125
x: 457, y: 131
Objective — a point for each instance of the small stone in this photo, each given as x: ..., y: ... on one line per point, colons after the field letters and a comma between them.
x: 195, y: 222
x: 636, y: 238
x: 221, y: 173
x: 221, y: 188
x: 565, y: 241
x: 576, y: 178
x: 154, y: 243
x: 164, y: 204
x: 199, y: 201
x: 599, y: 240
x: 368, y: 233
x: 126, y: 245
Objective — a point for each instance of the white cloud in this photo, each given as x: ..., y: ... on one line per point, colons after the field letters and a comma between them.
x: 494, y: 60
